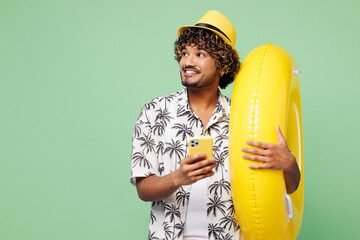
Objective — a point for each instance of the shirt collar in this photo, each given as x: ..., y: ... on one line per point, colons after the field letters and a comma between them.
x: 183, y: 102
x: 184, y: 107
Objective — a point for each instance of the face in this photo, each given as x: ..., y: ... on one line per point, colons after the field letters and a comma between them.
x: 198, y: 68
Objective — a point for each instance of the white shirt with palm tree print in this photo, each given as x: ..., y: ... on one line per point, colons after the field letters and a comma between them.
x: 160, y: 141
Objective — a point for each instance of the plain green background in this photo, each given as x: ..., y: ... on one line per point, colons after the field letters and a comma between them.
x: 74, y: 75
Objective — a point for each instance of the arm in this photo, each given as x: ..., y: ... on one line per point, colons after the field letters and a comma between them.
x: 277, y: 157
x: 192, y: 169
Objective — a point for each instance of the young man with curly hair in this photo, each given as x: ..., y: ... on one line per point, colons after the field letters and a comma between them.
x: 191, y: 195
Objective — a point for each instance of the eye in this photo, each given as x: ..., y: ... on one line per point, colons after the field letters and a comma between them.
x: 201, y: 54
x: 184, y: 53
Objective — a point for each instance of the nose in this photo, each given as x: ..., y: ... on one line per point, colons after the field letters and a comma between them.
x: 190, y: 60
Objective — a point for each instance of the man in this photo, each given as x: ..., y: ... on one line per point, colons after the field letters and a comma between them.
x: 191, y: 195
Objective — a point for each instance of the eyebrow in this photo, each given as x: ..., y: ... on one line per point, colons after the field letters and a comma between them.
x: 198, y: 49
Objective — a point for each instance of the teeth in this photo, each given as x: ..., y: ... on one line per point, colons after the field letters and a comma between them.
x: 190, y: 71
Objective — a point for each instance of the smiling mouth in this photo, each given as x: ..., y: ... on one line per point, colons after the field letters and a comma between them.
x: 190, y: 71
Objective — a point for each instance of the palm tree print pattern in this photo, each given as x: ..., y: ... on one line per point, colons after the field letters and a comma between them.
x: 160, y: 142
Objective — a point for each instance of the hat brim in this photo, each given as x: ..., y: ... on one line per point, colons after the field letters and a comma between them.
x: 181, y: 29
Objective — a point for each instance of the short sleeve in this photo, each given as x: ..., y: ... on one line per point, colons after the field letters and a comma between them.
x: 144, y: 160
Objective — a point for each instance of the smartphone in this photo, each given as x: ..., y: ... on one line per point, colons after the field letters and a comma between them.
x: 201, y: 144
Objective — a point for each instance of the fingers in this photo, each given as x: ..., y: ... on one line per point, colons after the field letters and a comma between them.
x: 259, y: 144
x: 254, y: 151
x: 199, y: 177
x: 259, y: 154
x: 207, y: 165
x: 279, y: 134
x: 196, y: 164
x: 265, y: 145
x: 272, y: 155
x: 204, y: 170
x: 254, y: 158
x: 194, y: 168
x: 260, y: 166
x: 194, y: 158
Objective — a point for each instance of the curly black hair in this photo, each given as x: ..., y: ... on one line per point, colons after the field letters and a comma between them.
x: 226, y: 58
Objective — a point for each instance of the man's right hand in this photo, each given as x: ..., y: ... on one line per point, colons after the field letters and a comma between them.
x: 192, y: 169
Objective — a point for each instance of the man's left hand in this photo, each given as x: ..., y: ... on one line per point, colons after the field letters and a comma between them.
x: 274, y: 156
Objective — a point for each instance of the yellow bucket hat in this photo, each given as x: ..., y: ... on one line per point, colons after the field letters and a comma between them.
x: 217, y: 23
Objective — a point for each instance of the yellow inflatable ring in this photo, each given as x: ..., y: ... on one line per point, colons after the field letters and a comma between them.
x: 266, y: 94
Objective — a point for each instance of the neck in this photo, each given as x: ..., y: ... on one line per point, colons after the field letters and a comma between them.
x: 200, y: 98
x: 203, y: 102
